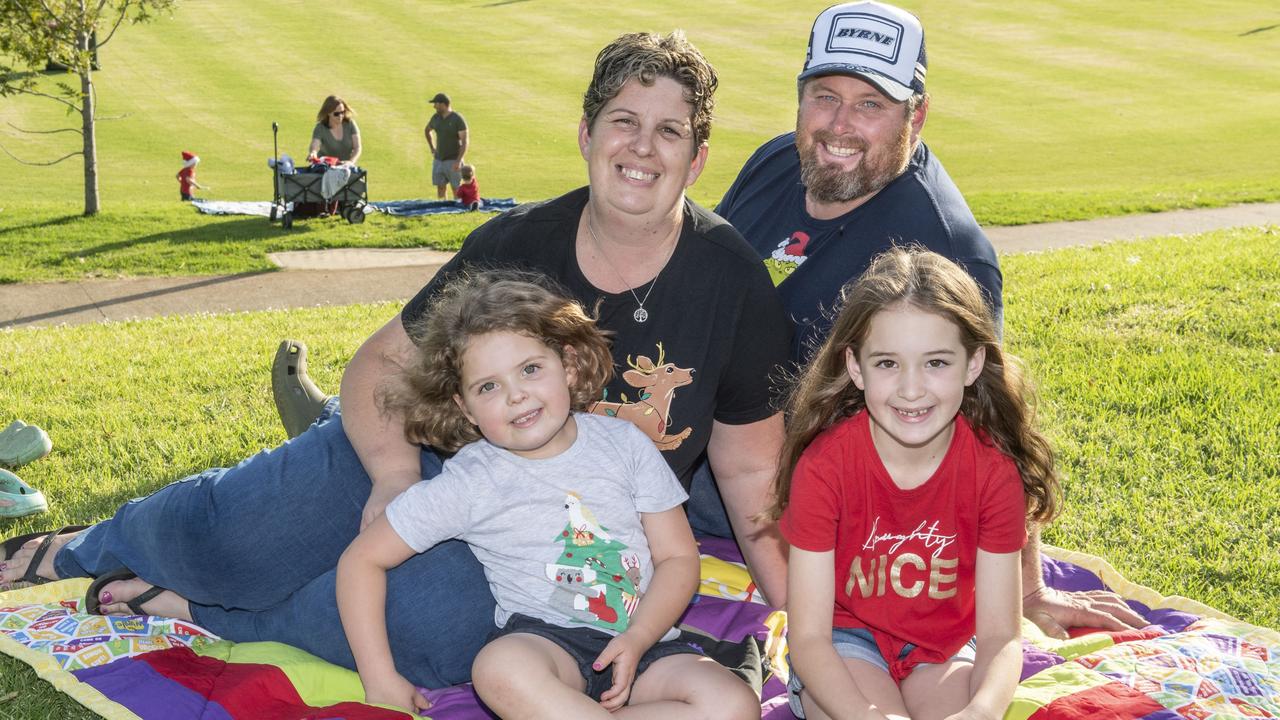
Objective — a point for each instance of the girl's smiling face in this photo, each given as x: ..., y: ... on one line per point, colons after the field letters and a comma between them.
x: 515, y: 389
x: 912, y: 369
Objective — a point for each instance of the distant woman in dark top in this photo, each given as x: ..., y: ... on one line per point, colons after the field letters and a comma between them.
x: 336, y: 133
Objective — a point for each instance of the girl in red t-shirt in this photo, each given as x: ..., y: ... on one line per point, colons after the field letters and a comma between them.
x: 910, y: 470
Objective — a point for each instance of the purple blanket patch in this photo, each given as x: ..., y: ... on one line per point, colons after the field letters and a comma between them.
x: 1062, y: 575
x: 776, y: 709
x: 723, y: 548
x: 1172, y: 621
x: 727, y: 619
x: 459, y: 702
x: 137, y: 686
x: 1163, y: 715
x: 1034, y: 660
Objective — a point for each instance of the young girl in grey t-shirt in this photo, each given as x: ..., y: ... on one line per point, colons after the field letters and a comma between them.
x: 576, y: 518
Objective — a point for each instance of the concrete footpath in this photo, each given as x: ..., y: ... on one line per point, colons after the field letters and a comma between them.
x: 342, y: 277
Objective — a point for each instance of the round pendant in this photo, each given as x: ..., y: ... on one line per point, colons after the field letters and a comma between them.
x: 640, y: 314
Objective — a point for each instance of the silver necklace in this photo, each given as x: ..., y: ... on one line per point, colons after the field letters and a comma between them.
x: 640, y: 315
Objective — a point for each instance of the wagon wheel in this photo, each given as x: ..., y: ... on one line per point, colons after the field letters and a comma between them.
x: 287, y: 221
x: 275, y: 211
x: 355, y: 215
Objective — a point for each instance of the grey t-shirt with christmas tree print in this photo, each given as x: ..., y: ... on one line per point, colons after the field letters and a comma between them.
x: 560, y: 538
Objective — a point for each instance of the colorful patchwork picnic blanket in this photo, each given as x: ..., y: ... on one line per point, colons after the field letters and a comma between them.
x: 1191, y: 662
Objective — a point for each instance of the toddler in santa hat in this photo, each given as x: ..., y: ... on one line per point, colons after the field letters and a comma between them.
x: 187, y: 175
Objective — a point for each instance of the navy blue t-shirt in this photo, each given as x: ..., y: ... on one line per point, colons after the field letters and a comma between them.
x: 810, y: 260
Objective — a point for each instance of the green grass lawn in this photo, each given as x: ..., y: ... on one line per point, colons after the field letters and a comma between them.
x: 1158, y: 384
x: 43, y: 243
x: 1043, y: 111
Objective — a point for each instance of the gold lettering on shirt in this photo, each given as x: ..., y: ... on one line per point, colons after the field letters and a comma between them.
x: 866, y: 583
x: 937, y: 577
x: 895, y: 575
x: 880, y: 576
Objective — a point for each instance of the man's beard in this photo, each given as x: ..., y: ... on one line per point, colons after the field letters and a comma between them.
x: 831, y: 184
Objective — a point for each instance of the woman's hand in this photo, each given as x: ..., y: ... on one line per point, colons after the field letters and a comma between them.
x: 396, y: 691
x: 381, y: 496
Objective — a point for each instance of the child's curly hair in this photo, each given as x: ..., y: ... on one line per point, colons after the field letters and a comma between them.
x: 476, y: 303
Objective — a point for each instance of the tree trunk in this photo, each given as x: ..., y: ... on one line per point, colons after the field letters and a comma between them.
x: 87, y: 114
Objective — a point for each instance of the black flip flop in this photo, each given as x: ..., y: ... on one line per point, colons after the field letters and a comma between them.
x: 92, y: 605
x: 12, y: 545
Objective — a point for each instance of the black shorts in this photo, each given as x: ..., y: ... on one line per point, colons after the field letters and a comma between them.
x: 585, y: 644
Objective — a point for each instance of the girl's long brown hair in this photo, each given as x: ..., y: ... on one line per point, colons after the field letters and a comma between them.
x: 999, y: 403
x: 474, y: 304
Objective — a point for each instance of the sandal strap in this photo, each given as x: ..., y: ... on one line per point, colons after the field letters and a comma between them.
x: 143, y: 598
x: 37, y: 557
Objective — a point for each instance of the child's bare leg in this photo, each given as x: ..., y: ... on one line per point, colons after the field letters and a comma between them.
x: 115, y: 596
x: 932, y: 692
x: 527, y: 677
x: 680, y: 687
x: 874, y: 684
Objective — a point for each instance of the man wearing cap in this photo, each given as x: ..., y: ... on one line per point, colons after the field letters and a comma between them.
x: 852, y: 180
x: 449, y: 145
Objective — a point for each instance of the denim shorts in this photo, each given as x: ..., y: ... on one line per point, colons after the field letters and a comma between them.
x: 858, y: 644
x: 585, y: 644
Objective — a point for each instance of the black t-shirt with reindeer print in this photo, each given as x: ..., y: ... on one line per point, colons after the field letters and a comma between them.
x: 710, y: 348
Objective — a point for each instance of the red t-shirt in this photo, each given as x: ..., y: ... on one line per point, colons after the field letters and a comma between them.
x: 905, y: 559
x: 184, y: 179
x: 469, y: 192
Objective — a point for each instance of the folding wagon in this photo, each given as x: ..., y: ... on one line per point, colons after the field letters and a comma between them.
x: 298, y: 193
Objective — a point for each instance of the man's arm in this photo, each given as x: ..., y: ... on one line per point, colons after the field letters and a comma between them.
x: 462, y: 148
x: 392, y: 462
x: 1056, y: 611
x: 744, y: 459
x: 426, y: 131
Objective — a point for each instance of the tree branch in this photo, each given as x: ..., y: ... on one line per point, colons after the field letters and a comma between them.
x: 54, y: 98
x: 41, y: 164
x: 124, y: 10
x: 45, y: 132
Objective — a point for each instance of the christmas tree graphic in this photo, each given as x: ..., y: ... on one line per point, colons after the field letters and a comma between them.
x: 596, y: 579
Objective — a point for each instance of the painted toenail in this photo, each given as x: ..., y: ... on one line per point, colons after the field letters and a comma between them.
x: 105, y: 597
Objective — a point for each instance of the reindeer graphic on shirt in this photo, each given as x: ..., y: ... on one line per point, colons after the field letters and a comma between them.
x: 651, y: 412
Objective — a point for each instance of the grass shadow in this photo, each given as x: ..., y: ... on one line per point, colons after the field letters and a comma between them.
x: 1260, y: 29
x: 248, y: 229
x: 62, y: 220
x: 53, y: 315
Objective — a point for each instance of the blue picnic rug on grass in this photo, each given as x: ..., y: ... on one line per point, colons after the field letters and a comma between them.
x: 401, y: 208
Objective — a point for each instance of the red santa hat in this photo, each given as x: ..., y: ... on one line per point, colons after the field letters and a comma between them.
x: 189, y: 159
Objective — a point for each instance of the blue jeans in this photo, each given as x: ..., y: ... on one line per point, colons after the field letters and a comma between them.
x: 706, y: 510
x: 254, y: 548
